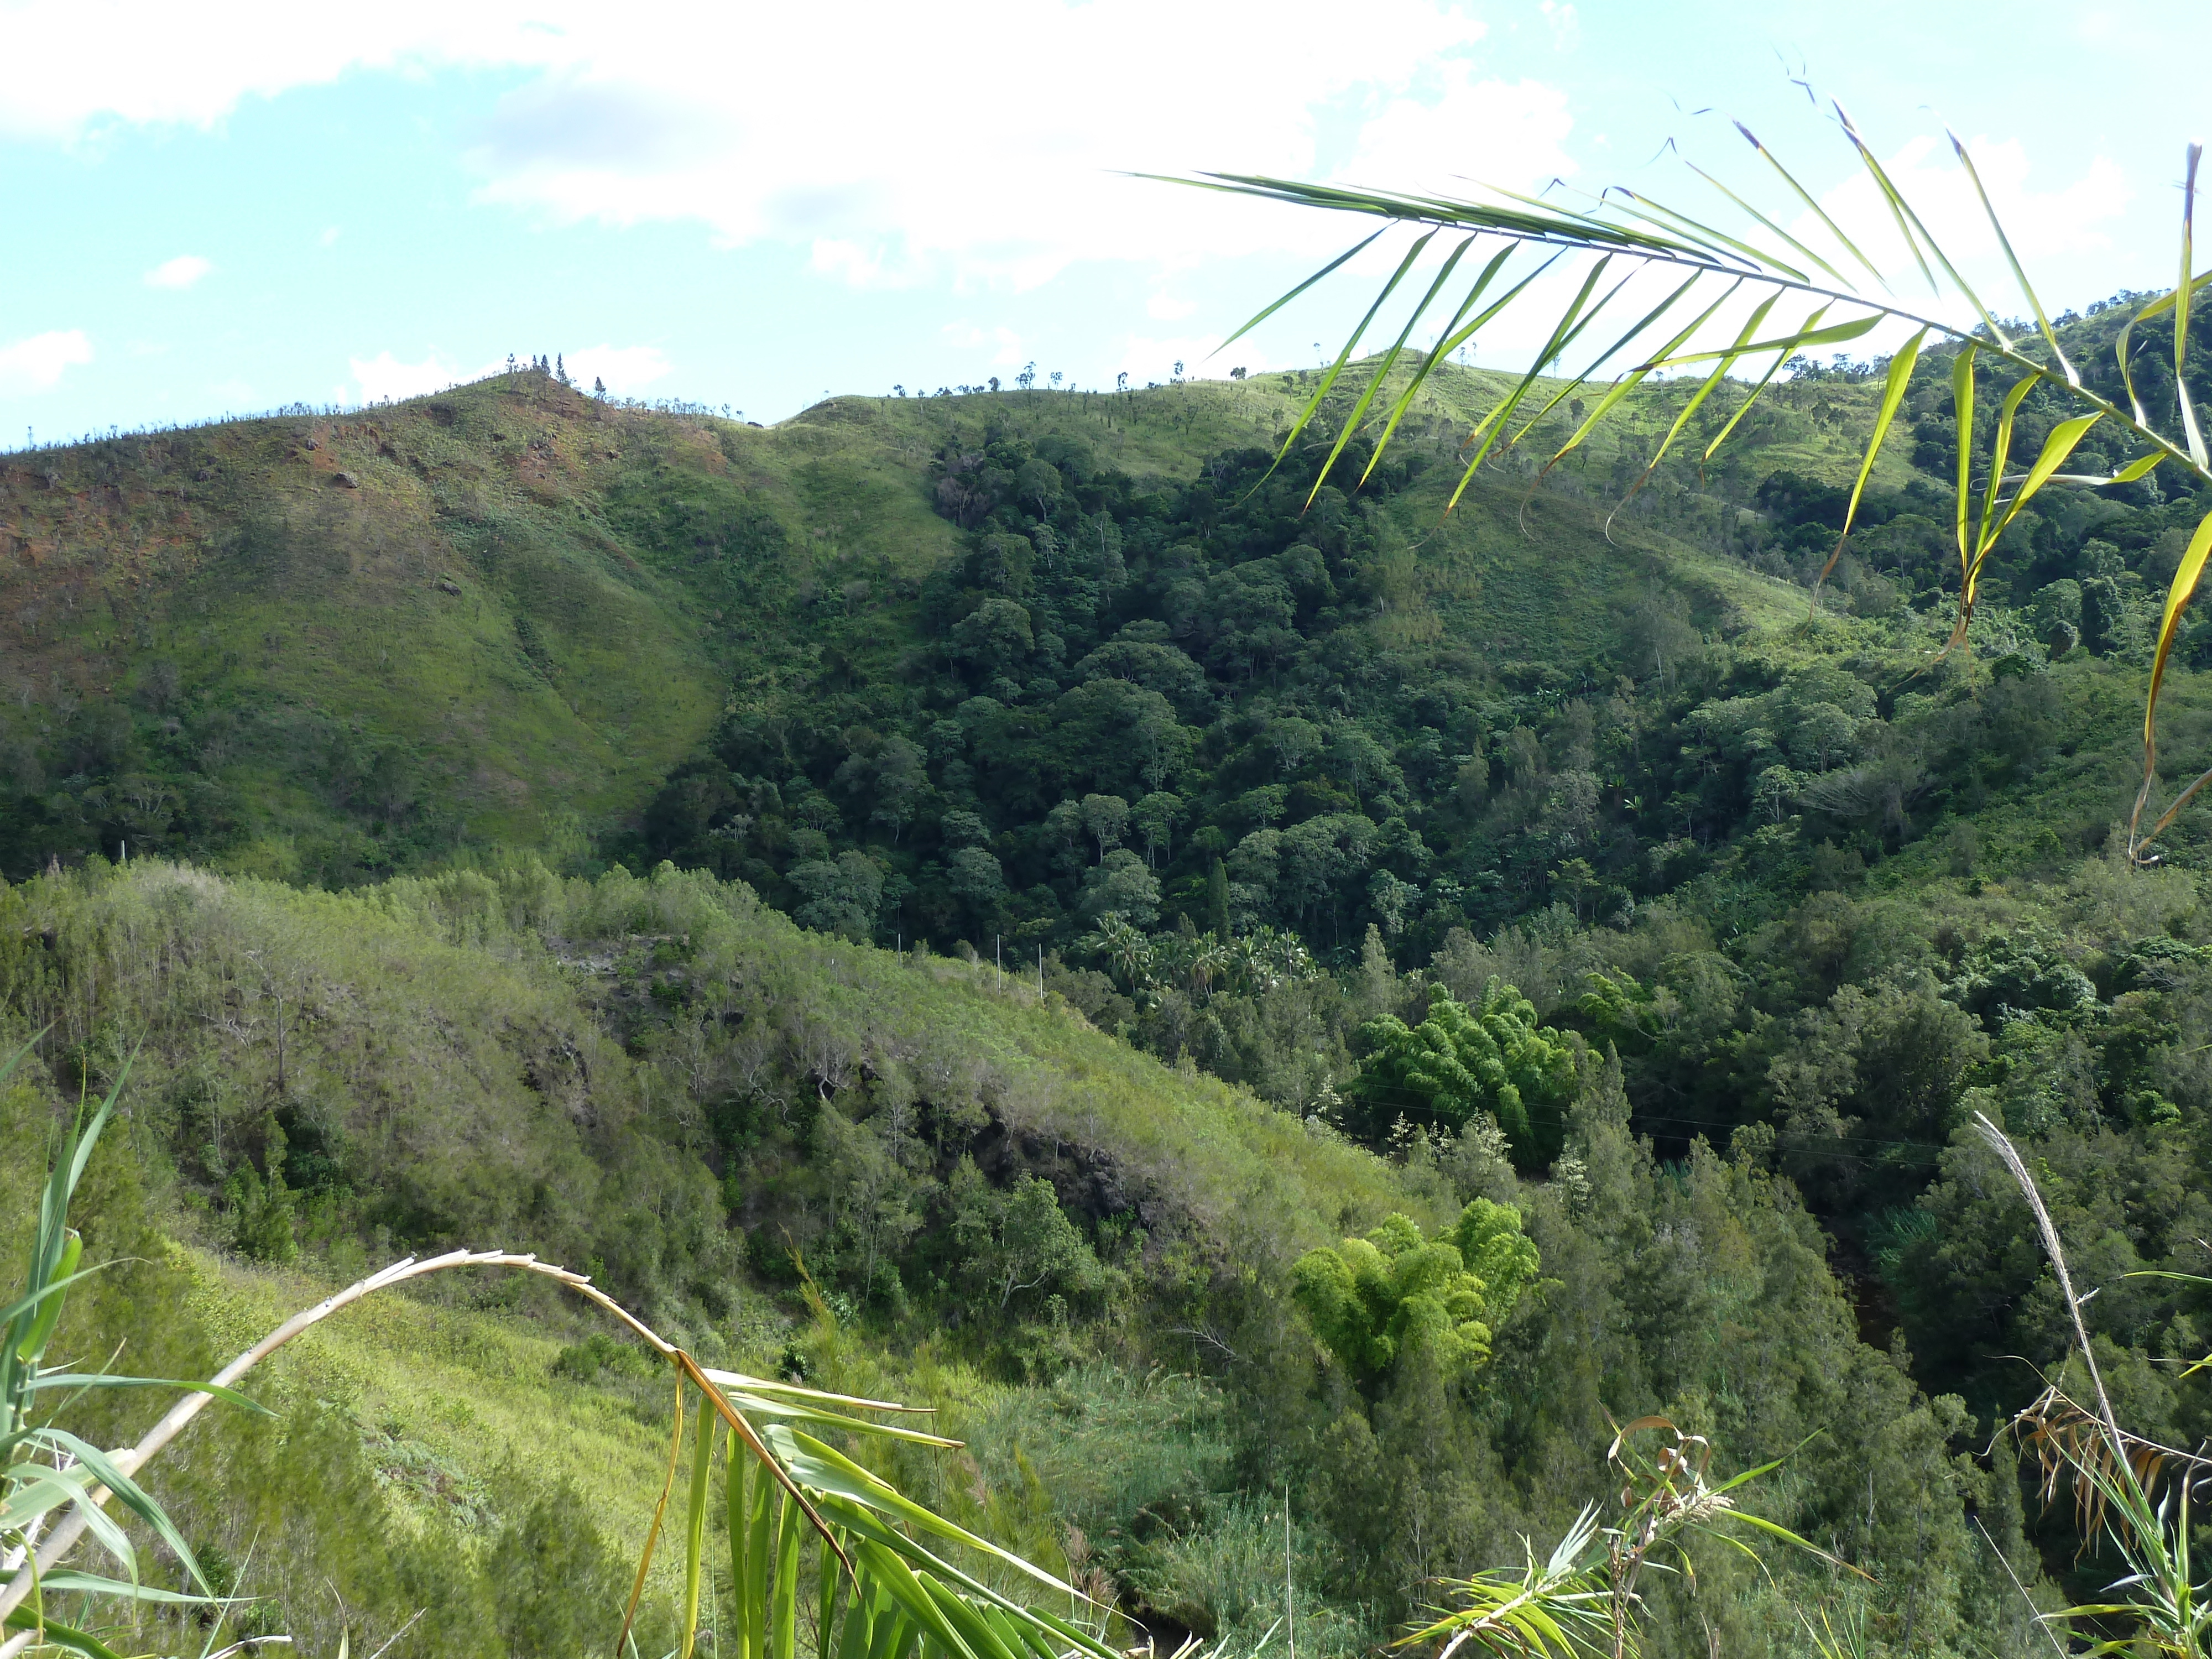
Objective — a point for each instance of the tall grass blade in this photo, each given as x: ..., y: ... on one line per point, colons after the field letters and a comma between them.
x: 2019, y: 274
x: 2141, y: 467
x: 1812, y: 205
x: 1799, y: 246
x: 1904, y: 212
x: 1635, y: 377
x: 1446, y: 342
x: 1620, y: 389
x: 736, y: 1515
x: 783, y: 1593
x: 974, y: 1629
x: 1988, y: 526
x: 1351, y: 422
x: 653, y: 1533
x: 1893, y: 394
x: 760, y: 1565
x: 1891, y: 199
x: 829, y: 1471
x: 2121, y: 353
x: 1696, y: 401
x: 758, y: 1385
x: 1267, y: 311
x: 101, y: 1468
x: 1962, y: 411
x: 695, y: 1527
x: 33, y: 1347
x: 1563, y: 332
x: 2181, y: 307
x: 863, y: 1610
x: 2179, y: 592
x: 1722, y: 244
x: 825, y: 1574
x: 60, y: 1636
x: 913, y: 1599
x: 1829, y: 334
x: 894, y: 1633
x: 689, y: 1368
x: 1336, y: 368
x: 1765, y: 381
x: 759, y: 1406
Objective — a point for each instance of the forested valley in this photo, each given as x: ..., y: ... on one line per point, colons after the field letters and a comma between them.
x: 1287, y: 1014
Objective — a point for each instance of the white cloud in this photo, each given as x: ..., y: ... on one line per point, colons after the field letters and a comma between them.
x: 80, y: 64
x: 1566, y: 28
x: 1466, y: 131
x: 628, y: 370
x: 645, y: 125
x: 37, y: 364
x: 376, y: 379
x: 181, y: 272
x: 2040, y: 222
x: 1005, y: 345
x: 627, y: 116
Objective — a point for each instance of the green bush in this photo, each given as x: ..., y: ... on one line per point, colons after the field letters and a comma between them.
x: 1459, y: 1060
x: 1373, y: 1299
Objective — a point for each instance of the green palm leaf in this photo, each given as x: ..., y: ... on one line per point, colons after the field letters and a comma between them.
x: 1634, y: 225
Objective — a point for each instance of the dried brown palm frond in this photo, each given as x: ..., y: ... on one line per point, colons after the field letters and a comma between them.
x: 2072, y: 1448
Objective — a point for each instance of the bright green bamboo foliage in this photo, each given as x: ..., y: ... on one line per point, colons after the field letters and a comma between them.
x: 737, y: 1639
x: 1893, y: 394
x: 1459, y: 1060
x: 1371, y: 1300
x: 1762, y: 263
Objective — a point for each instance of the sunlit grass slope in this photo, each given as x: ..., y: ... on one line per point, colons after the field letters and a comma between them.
x: 475, y: 1058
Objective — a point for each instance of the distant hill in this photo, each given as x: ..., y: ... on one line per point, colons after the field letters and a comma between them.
x: 325, y: 647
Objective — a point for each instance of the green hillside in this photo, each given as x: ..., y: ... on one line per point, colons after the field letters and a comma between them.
x: 665, y: 1083
x: 322, y: 647
x: 985, y: 899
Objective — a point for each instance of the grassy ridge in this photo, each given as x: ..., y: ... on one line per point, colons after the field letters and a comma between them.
x: 312, y: 646
x: 483, y: 1059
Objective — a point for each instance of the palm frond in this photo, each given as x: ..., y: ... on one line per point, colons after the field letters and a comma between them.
x: 1632, y: 231
x: 905, y: 1597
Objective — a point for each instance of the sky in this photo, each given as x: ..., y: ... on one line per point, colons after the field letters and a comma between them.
x: 235, y: 206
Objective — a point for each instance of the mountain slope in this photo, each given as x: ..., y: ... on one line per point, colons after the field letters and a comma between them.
x: 327, y: 646
x: 796, y: 1155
